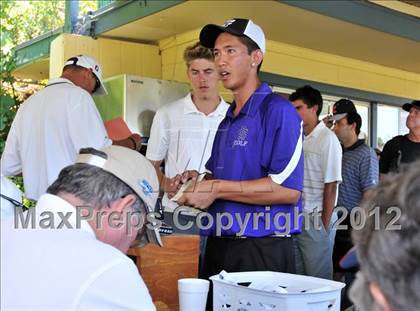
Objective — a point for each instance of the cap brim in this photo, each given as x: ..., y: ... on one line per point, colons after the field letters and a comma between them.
x: 337, y: 117
x: 151, y: 236
x: 101, y: 89
x: 407, y: 107
x: 210, y: 32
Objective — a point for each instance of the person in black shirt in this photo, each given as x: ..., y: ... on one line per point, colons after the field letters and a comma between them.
x: 403, y: 149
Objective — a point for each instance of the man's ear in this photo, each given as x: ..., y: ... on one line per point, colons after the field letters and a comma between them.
x: 123, y: 203
x: 257, y: 57
x: 378, y: 296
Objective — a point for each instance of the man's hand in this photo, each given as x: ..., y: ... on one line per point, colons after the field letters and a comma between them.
x: 173, y: 184
x: 200, y: 194
x: 136, y: 141
x: 329, y: 195
x: 189, y: 175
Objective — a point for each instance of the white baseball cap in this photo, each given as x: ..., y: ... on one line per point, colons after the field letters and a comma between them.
x: 237, y: 27
x: 90, y: 63
x: 134, y: 170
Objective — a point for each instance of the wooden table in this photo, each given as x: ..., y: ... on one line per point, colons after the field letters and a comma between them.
x: 161, y: 267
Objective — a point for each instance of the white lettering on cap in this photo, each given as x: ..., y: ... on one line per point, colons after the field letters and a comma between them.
x: 229, y: 22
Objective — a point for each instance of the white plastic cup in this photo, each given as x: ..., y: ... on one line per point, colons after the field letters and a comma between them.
x: 192, y: 294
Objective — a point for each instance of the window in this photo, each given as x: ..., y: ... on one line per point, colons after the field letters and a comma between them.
x: 363, y: 109
x: 391, y: 122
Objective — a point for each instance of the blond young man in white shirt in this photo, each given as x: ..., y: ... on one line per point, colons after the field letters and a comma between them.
x: 182, y: 132
x: 322, y: 174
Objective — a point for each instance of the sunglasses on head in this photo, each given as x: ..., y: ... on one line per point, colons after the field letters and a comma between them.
x: 11, y: 200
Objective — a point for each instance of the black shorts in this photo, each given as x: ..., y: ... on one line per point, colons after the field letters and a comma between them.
x: 247, y: 254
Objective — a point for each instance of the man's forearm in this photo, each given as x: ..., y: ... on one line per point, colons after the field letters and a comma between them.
x: 164, y: 181
x: 261, y: 191
x: 330, y: 193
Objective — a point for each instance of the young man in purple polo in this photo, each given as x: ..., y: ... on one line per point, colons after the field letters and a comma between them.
x: 256, y: 165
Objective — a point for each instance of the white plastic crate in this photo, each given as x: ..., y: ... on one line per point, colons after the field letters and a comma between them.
x: 304, y: 293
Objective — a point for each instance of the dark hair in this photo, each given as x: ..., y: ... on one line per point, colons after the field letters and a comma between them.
x: 73, y: 68
x: 197, y: 51
x: 310, y: 96
x: 390, y: 257
x: 251, y: 46
x: 354, y: 117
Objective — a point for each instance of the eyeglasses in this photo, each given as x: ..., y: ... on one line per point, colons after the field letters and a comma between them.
x: 97, y: 84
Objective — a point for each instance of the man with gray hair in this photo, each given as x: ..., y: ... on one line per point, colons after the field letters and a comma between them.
x: 388, y: 246
x: 68, y: 253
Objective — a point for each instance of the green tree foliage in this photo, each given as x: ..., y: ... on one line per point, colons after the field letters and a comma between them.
x: 21, y: 21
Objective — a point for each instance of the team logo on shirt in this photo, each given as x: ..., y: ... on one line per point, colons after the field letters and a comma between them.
x: 241, y: 138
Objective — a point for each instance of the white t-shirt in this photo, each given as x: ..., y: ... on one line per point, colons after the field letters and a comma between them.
x: 47, y: 133
x: 323, y: 155
x: 183, y: 137
x: 65, y: 269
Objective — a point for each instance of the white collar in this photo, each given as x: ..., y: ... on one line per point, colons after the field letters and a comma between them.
x: 190, y: 107
x: 59, y: 80
x: 53, y: 205
x: 317, y: 130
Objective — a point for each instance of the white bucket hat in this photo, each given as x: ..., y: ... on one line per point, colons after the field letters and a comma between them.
x: 90, y: 63
x: 134, y: 170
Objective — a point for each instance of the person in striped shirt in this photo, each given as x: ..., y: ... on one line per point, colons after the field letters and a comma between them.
x: 360, y: 172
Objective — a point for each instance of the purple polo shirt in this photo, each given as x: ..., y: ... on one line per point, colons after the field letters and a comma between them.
x: 264, y: 139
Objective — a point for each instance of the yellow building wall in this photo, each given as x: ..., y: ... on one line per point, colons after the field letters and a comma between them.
x: 165, y: 61
x: 116, y: 57
x: 297, y: 62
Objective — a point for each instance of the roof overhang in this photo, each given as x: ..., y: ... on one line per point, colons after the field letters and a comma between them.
x: 356, y: 29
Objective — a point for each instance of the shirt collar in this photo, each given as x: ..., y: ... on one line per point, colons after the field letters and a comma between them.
x: 317, y: 130
x: 358, y: 143
x: 253, y: 103
x: 59, y: 80
x: 54, y: 205
x: 191, y: 108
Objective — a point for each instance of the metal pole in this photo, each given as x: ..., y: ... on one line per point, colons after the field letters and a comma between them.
x: 374, y: 124
x: 71, y: 15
